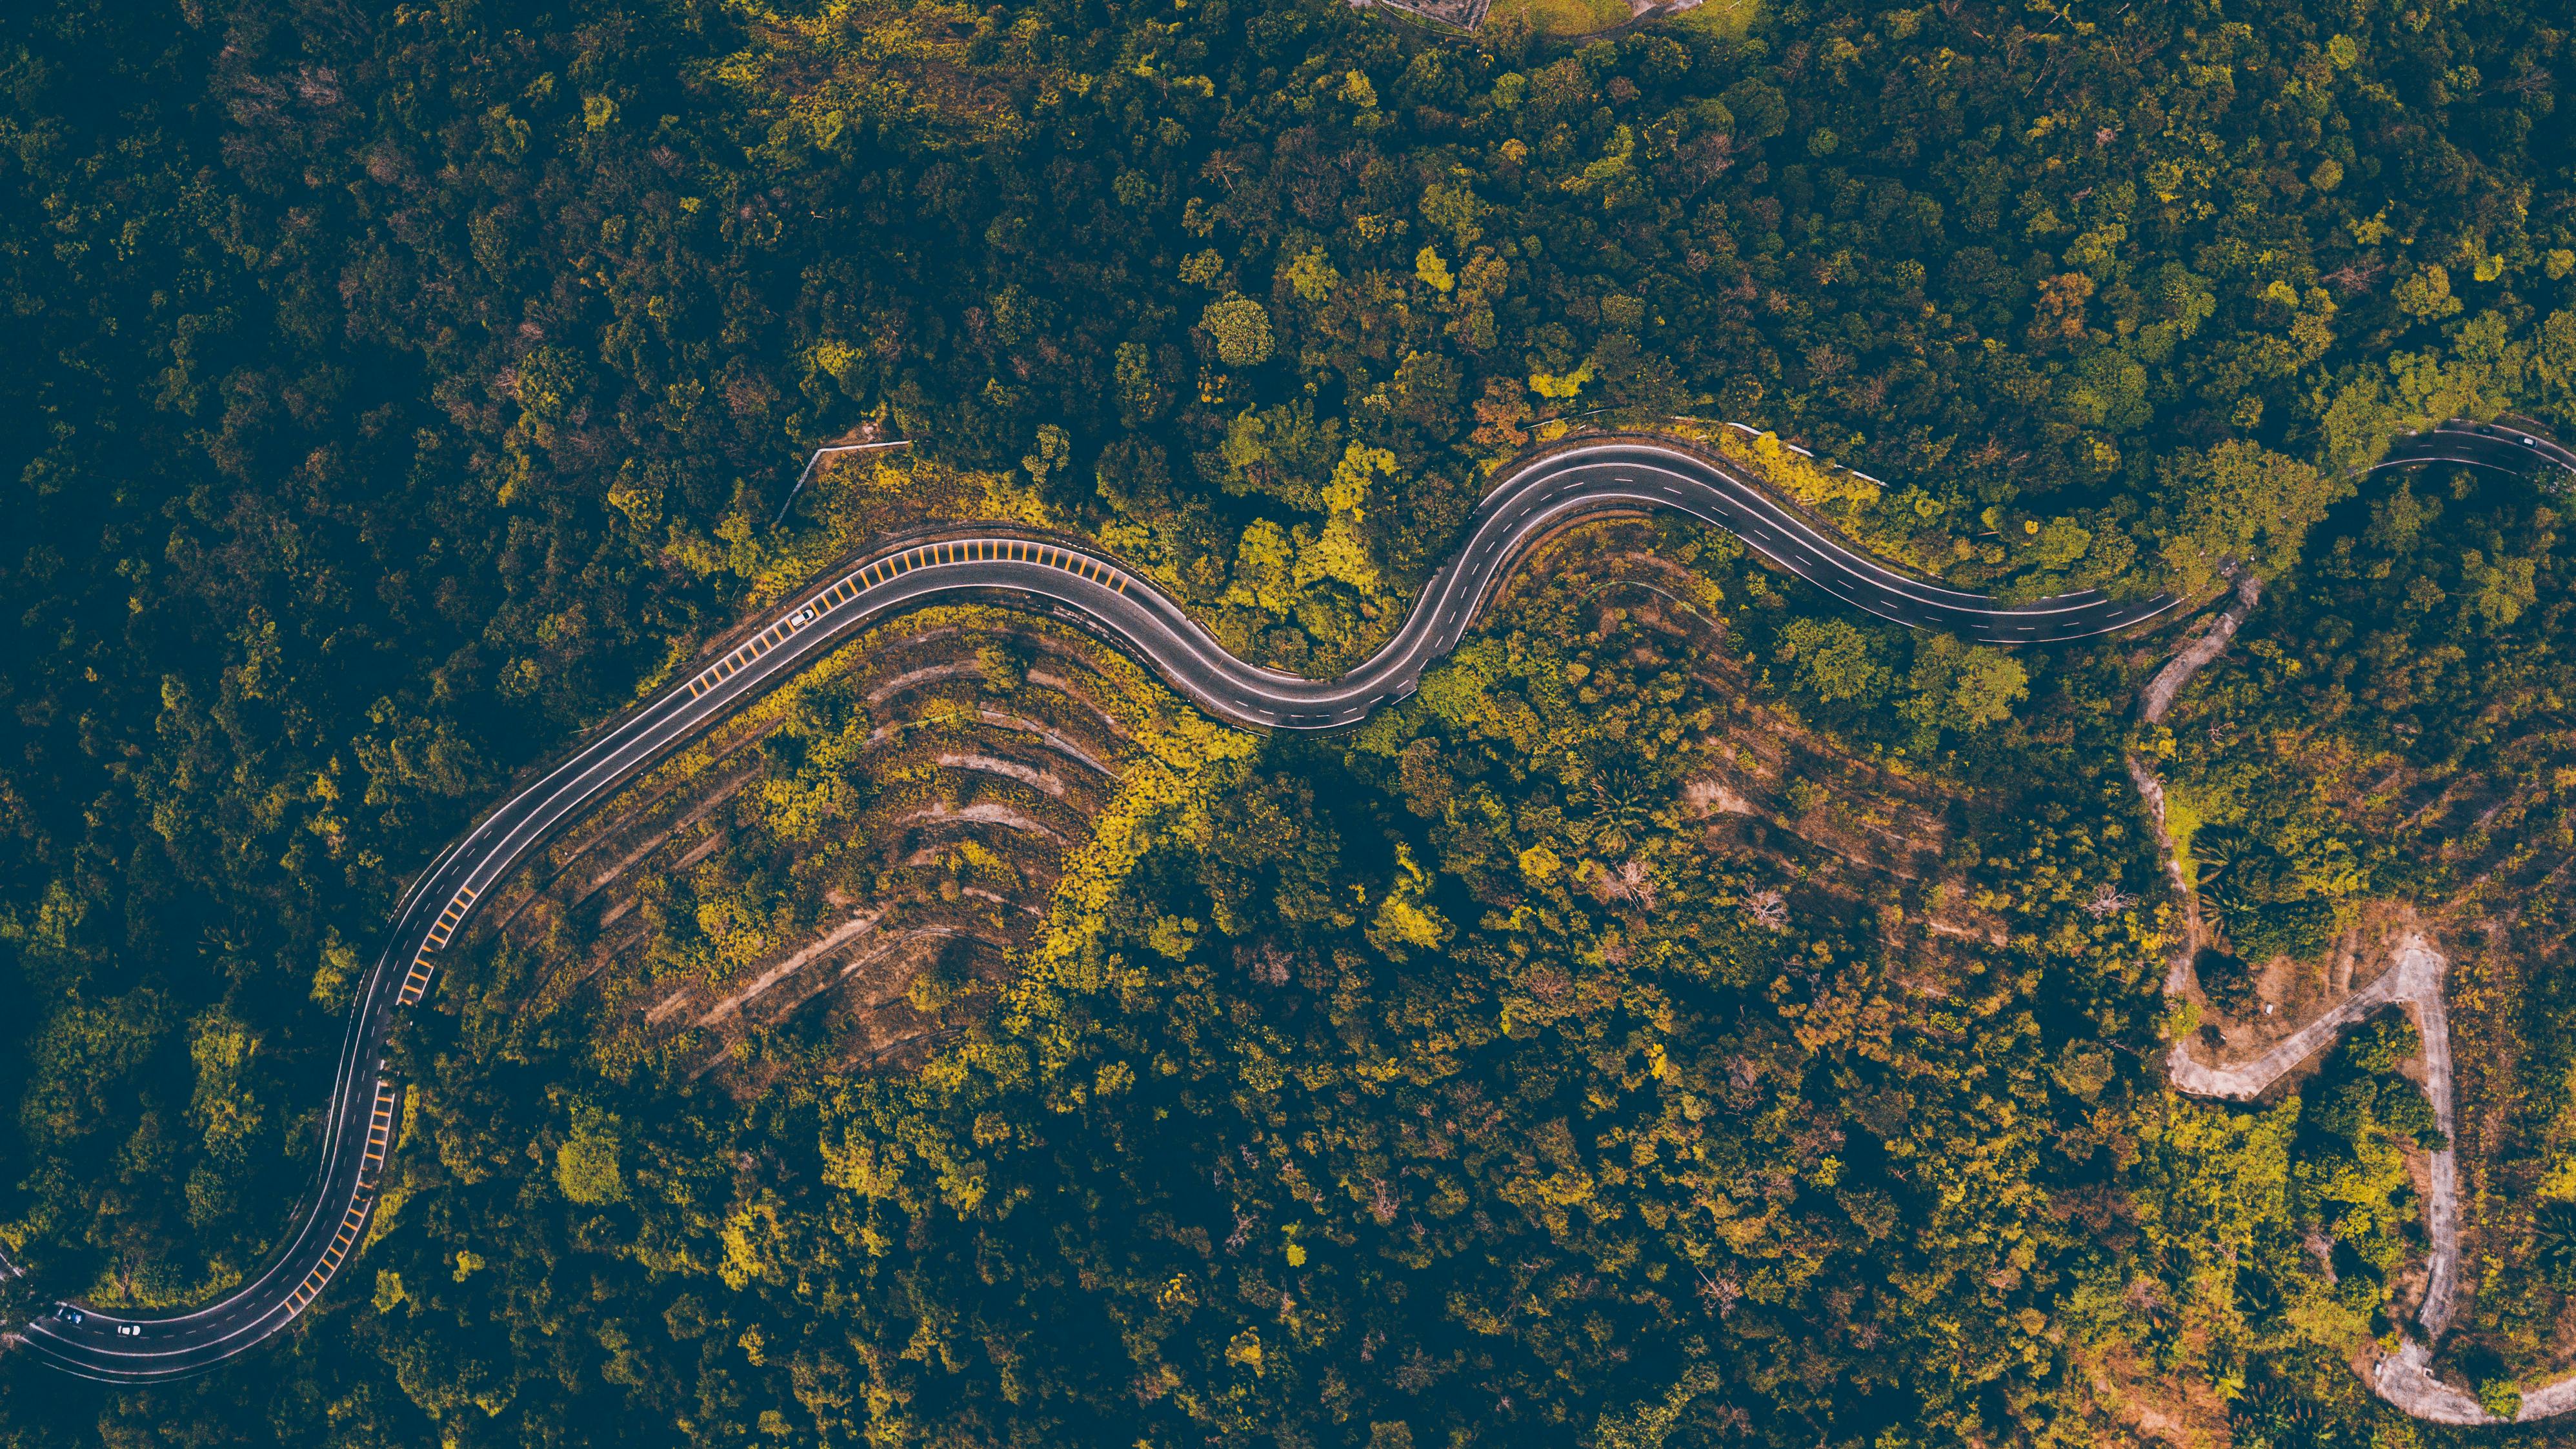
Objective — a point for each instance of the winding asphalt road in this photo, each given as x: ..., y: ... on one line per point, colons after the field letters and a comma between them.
x: 1086, y: 586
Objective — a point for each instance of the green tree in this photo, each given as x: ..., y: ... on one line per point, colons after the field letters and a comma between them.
x: 586, y: 1166
x: 1834, y: 660
x: 1953, y: 685
x: 2240, y: 503
x: 1241, y: 328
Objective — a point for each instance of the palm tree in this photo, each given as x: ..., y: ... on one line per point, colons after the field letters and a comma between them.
x: 1621, y: 806
x: 2553, y: 1232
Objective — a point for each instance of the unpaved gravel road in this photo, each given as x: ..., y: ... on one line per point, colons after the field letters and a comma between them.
x: 2404, y: 1378
x: 2414, y: 982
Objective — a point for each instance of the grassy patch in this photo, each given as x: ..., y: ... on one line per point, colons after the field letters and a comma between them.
x: 1563, y: 17
x: 2182, y: 821
x: 1725, y: 19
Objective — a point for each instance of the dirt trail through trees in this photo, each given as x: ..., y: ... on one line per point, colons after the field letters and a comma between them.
x: 2404, y: 1378
x: 2212, y: 642
x: 2243, y: 1083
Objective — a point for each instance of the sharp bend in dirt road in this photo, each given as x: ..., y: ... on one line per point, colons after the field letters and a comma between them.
x: 1080, y: 583
x: 2404, y: 1378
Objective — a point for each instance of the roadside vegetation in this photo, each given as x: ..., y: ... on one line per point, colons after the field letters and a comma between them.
x: 1559, y: 19
x: 1720, y: 19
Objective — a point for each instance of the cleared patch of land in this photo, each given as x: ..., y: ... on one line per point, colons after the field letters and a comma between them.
x: 1563, y: 17
x: 836, y: 875
x: 1725, y: 19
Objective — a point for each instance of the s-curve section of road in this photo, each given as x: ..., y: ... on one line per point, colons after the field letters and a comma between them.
x: 1074, y: 581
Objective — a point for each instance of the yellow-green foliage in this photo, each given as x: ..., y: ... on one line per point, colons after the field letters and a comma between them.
x: 798, y: 807
x: 867, y: 496
x: 1406, y: 920
x: 817, y: 74
x: 2182, y: 821
x: 1324, y: 581
x: 222, y: 1046
x: 1836, y: 491
x: 1561, y: 17
x: 1265, y: 562
x: 758, y: 716
x: 586, y: 1167
x: 1165, y: 792
x: 2374, y: 402
x: 2212, y: 1182
x: 1894, y: 528
x: 1560, y: 386
x: 731, y: 931
x: 1341, y: 551
x: 396, y: 1189
x: 2217, y: 1175
x: 1724, y: 19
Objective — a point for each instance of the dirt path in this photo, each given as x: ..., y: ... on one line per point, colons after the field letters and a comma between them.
x: 2190, y: 660
x: 2403, y: 1378
x: 2246, y: 1082
x: 2415, y: 982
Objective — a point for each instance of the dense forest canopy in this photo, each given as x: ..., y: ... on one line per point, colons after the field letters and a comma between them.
x: 398, y: 391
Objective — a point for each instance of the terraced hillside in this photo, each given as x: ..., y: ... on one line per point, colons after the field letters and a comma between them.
x: 835, y: 875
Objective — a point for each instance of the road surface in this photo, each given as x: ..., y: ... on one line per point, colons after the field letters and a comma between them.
x: 2403, y: 1377
x: 1082, y: 584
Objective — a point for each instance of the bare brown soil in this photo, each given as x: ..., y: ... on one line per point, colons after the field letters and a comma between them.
x: 2290, y: 994
x: 1848, y: 836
